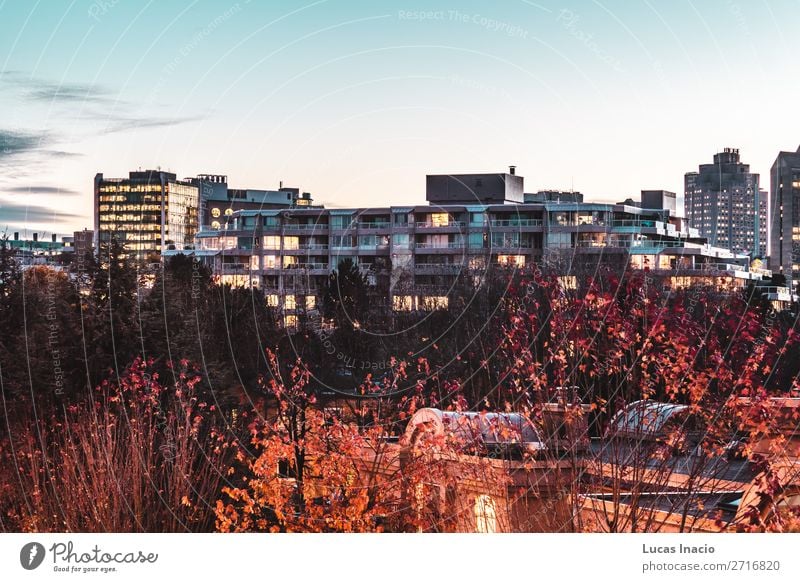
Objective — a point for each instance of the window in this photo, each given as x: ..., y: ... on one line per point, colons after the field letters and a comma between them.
x: 290, y: 321
x: 476, y: 240
x: 432, y: 302
x: 272, y: 242
x: 341, y: 241
x: 341, y: 221
x: 401, y: 302
x: 289, y: 261
x: 270, y: 262
x: 477, y: 218
x: 254, y: 262
x: 290, y: 302
x: 485, y: 515
x: 401, y: 218
x: 271, y: 221
x: 311, y: 302
x: 511, y: 260
x: 440, y: 219
x: 291, y: 242
x: 272, y: 300
x: 400, y: 241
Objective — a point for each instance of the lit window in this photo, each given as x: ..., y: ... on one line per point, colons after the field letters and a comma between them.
x: 290, y: 302
x: 272, y: 242
x: 290, y: 321
x: 401, y: 302
x: 432, y: 302
x: 311, y: 302
x: 440, y: 219
x: 272, y: 300
x: 291, y: 242
x: 511, y: 260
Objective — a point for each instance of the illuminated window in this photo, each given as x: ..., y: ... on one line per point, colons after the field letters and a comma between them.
x: 569, y: 282
x: 215, y: 212
x: 291, y: 242
x: 440, y: 219
x: 289, y: 261
x: 290, y: 302
x: 270, y: 262
x: 272, y: 242
x: 254, y: 262
x: 272, y: 300
x: 511, y: 260
x: 311, y: 302
x: 432, y: 302
x: 485, y: 515
x: 290, y: 321
x: 401, y: 302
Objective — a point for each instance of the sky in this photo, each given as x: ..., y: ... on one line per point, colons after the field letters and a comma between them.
x: 357, y: 101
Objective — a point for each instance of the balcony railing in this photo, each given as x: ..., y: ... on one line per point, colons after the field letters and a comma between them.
x: 518, y: 222
x: 373, y: 225
x: 305, y: 266
x: 452, y: 223
x: 450, y: 245
x: 314, y: 247
x: 442, y: 267
x: 318, y: 226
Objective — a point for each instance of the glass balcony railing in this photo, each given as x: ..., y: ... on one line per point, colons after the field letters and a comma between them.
x: 518, y: 222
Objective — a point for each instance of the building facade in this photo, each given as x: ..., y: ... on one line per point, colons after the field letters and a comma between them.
x: 218, y: 201
x: 418, y: 253
x: 148, y: 212
x: 785, y: 215
x: 724, y: 202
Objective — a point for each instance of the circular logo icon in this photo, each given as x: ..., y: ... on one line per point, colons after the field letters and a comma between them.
x: 31, y: 555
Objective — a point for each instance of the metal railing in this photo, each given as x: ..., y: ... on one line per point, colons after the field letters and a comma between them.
x: 450, y: 224
x: 518, y: 222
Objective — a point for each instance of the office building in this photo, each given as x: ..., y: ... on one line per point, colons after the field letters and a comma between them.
x: 724, y: 202
x: 785, y: 215
x: 148, y: 212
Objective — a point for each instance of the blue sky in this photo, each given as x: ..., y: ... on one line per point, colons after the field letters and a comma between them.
x: 357, y: 101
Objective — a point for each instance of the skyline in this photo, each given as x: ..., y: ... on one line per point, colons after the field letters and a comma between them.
x: 357, y: 105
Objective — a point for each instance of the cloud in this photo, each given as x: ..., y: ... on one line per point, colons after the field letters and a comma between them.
x: 41, y: 190
x: 39, y: 89
x: 13, y: 143
x: 21, y: 214
x: 129, y: 123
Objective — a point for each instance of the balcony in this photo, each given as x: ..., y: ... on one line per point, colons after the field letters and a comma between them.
x: 450, y: 245
x: 451, y: 224
x: 235, y: 267
x: 318, y: 226
x: 313, y: 247
x: 439, y: 268
x: 521, y: 222
x: 305, y: 266
x: 373, y: 225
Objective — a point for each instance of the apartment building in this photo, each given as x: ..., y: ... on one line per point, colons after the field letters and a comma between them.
x: 417, y: 253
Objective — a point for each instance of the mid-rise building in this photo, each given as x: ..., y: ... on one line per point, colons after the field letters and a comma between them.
x: 218, y: 201
x: 785, y: 215
x: 148, y: 212
x: 416, y: 255
x: 724, y: 202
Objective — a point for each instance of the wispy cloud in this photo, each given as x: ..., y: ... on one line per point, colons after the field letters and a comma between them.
x: 40, y: 190
x: 13, y: 143
x: 119, y: 124
x: 39, y: 89
x: 12, y: 214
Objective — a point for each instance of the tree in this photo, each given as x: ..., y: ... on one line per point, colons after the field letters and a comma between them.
x: 345, y: 298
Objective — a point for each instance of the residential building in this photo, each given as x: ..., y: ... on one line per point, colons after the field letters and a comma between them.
x: 785, y: 215
x: 416, y: 254
x: 724, y: 202
x: 148, y: 212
